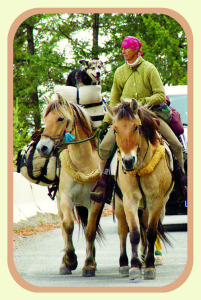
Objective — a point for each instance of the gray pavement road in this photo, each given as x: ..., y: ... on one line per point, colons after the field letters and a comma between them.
x: 37, y: 260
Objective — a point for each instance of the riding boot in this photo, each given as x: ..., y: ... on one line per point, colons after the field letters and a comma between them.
x: 180, y: 181
x: 99, y: 190
x: 97, y: 196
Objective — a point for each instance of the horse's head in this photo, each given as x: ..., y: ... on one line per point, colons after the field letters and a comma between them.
x: 126, y: 125
x: 132, y: 122
x: 58, y: 118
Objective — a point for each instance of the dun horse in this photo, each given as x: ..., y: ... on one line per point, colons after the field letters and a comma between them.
x: 146, y: 183
x: 79, y: 172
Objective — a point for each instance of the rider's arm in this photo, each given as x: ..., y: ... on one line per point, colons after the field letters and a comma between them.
x: 158, y: 94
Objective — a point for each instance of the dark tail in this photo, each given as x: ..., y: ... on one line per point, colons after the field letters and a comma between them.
x: 162, y: 232
x: 82, y: 213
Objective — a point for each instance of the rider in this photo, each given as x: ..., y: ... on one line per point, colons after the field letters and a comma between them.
x: 138, y: 79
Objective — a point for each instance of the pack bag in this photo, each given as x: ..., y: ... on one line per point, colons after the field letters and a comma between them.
x: 163, y: 111
x: 33, y: 167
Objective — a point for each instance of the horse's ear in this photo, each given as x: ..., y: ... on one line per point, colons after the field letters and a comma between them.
x: 134, y: 105
x: 64, y: 103
x: 110, y: 111
x: 61, y: 99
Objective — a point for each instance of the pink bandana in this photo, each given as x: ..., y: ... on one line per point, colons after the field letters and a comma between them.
x: 133, y: 43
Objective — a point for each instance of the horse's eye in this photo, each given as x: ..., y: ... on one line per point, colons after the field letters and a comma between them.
x: 60, y: 119
x: 136, y: 128
x: 115, y: 131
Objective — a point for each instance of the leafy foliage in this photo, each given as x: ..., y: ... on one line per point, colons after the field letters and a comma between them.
x: 48, y: 46
x: 20, y: 131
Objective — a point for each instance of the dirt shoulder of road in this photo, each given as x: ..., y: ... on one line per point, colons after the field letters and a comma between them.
x: 42, y: 222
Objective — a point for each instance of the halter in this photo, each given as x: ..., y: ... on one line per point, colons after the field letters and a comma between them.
x: 54, y: 139
x: 61, y: 137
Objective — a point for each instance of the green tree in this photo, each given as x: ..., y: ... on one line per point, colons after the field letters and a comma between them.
x: 20, y: 131
x: 37, y: 67
x: 48, y: 46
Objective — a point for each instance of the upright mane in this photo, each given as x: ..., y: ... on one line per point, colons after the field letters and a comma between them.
x: 148, y: 119
x: 79, y: 113
x: 85, y: 121
x: 60, y: 109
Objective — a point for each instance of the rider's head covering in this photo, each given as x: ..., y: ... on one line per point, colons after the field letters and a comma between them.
x: 133, y: 43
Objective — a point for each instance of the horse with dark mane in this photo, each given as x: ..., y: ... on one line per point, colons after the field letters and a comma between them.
x: 146, y: 183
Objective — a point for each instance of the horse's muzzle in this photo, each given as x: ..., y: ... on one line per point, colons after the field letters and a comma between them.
x: 129, y: 163
x: 45, y: 148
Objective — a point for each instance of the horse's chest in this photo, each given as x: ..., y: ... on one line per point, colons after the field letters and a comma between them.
x: 79, y: 193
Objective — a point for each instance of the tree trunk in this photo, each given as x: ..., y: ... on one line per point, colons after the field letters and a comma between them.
x: 95, y: 50
x: 34, y: 94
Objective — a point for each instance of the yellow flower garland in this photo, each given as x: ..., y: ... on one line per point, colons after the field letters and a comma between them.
x: 66, y: 163
x: 160, y: 153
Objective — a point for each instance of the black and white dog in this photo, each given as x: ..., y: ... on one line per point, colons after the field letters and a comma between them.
x: 89, y: 74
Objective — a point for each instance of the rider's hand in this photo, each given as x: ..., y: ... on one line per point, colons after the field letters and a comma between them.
x: 103, y: 127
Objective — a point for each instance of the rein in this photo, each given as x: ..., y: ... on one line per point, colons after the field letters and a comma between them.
x: 67, y: 143
x: 77, y: 142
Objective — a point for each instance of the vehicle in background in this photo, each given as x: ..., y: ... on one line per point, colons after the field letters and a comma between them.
x: 178, y: 100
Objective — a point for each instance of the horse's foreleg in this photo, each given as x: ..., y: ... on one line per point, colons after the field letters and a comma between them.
x: 143, y: 218
x: 131, y: 211
x: 90, y: 235
x: 69, y: 261
x: 152, y: 231
x: 122, y: 232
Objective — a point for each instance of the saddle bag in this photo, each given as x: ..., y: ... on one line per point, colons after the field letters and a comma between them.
x: 163, y: 111
x: 176, y: 124
x: 33, y: 167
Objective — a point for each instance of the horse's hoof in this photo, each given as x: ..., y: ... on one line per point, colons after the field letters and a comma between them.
x: 158, y: 260
x: 149, y: 273
x: 124, y: 271
x: 135, y: 273
x: 63, y: 270
x: 88, y: 271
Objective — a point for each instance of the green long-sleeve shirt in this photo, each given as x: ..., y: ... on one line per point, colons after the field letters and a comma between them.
x: 141, y: 82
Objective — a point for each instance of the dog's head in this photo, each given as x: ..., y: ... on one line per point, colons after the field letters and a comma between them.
x: 93, y: 68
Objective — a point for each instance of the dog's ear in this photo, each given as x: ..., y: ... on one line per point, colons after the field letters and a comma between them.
x: 84, y: 62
